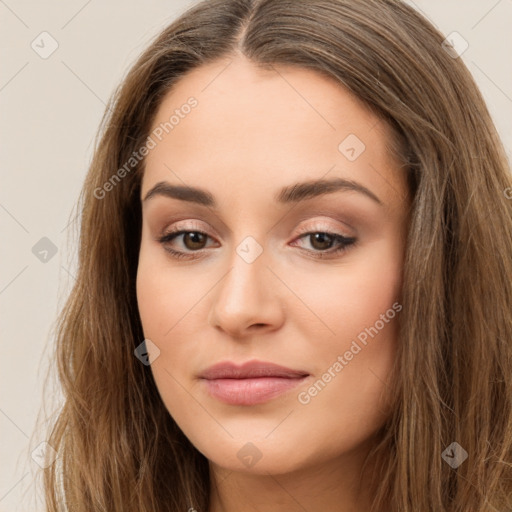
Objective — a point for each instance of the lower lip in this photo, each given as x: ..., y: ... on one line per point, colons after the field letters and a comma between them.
x: 250, y: 391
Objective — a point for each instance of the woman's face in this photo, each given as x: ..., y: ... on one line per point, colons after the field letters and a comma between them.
x: 289, y: 217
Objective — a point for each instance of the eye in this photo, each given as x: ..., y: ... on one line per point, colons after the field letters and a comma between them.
x: 326, y: 244
x: 192, y: 240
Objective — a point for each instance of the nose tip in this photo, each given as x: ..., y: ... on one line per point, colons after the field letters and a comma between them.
x: 246, y: 299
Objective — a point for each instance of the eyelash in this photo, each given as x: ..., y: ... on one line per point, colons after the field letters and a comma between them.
x: 343, y: 241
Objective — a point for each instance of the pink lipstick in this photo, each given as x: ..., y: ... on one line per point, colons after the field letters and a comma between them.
x: 251, y: 383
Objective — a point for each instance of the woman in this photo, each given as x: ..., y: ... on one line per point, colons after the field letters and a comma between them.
x: 294, y: 274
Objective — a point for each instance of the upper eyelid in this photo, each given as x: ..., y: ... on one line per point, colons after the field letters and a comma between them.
x: 318, y: 225
x: 301, y: 231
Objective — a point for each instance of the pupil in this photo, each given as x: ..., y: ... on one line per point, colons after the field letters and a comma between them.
x: 323, y: 238
x: 195, y: 238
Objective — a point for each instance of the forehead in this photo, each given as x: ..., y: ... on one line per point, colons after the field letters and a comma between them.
x: 261, y: 129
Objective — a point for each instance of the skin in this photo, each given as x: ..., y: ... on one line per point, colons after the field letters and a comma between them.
x: 253, y: 132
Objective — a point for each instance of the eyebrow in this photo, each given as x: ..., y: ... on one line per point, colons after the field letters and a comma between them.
x: 289, y: 194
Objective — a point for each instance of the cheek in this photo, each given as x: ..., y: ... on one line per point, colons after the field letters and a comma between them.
x: 164, y: 295
x: 172, y: 309
x: 353, y: 340
x: 347, y: 299
x: 169, y: 307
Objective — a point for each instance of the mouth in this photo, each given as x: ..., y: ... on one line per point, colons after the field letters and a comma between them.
x: 251, y: 383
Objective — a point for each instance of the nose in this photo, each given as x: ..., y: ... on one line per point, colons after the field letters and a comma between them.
x: 246, y: 300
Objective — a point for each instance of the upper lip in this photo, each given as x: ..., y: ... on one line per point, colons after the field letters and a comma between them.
x: 250, y: 369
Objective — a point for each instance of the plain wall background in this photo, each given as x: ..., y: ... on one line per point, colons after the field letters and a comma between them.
x: 50, y: 111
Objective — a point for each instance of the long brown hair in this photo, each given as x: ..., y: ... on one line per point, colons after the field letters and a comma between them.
x: 119, y: 448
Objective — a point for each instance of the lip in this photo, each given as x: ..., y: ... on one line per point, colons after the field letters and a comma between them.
x: 251, y: 383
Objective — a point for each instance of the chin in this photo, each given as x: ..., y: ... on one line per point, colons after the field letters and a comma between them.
x: 261, y: 457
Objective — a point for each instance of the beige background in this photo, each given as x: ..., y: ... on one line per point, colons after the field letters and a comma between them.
x: 50, y: 110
